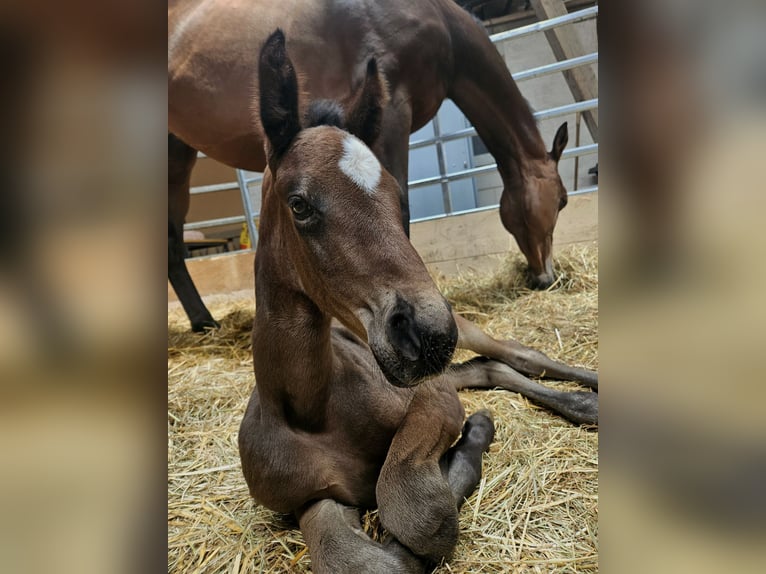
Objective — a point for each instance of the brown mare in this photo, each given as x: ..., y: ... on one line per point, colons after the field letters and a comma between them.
x: 427, y: 50
x: 353, y: 408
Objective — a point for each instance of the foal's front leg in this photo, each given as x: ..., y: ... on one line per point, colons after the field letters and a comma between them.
x: 420, y: 489
x: 338, y: 544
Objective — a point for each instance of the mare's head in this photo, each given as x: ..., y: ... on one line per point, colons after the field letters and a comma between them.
x: 335, y: 218
x: 530, y: 205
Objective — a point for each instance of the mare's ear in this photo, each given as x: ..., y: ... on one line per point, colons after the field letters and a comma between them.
x: 364, y: 112
x: 278, y: 98
x: 560, y: 141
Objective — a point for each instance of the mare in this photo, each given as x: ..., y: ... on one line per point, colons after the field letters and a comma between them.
x: 353, y: 407
x: 427, y: 51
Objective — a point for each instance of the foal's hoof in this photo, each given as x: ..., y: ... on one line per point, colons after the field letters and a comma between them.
x: 479, y: 428
x: 581, y: 408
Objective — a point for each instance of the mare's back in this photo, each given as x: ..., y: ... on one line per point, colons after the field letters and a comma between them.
x: 213, y: 52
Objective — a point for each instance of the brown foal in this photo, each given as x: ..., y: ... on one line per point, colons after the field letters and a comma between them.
x: 353, y: 408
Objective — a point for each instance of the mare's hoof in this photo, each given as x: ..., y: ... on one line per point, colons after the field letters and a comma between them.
x: 205, y: 325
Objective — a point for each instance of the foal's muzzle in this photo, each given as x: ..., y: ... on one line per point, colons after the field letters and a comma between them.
x: 419, y: 342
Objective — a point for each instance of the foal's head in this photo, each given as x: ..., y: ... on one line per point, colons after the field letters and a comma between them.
x: 531, y: 210
x: 335, y: 212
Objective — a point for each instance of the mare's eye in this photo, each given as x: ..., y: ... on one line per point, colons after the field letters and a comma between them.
x: 563, y: 202
x: 300, y: 207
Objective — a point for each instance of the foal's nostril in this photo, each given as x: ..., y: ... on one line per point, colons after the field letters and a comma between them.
x: 403, y: 334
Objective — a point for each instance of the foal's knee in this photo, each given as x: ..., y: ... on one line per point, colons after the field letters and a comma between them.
x: 338, y: 544
x: 420, y: 512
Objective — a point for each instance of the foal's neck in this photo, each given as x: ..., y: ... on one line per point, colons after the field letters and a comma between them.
x: 292, y: 350
x: 484, y: 90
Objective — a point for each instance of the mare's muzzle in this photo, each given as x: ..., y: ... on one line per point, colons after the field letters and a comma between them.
x: 541, y: 281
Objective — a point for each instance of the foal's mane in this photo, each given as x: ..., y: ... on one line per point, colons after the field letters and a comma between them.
x: 324, y: 113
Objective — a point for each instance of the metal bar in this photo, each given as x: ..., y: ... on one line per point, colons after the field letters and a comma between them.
x: 572, y: 18
x: 556, y: 67
x: 586, y: 149
x: 248, y: 208
x: 461, y: 212
x: 567, y: 109
x: 582, y: 191
x: 578, y: 115
x: 452, y: 176
x: 446, y: 199
x: 215, y: 222
x: 213, y: 188
x: 464, y: 133
x: 544, y: 114
x: 574, y: 152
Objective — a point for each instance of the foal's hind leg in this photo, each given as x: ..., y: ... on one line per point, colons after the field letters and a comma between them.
x: 419, y: 489
x: 522, y: 358
x: 181, y: 159
x: 338, y: 544
x: 482, y: 373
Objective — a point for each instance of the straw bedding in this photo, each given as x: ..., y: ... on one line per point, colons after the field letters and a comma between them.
x: 536, y: 507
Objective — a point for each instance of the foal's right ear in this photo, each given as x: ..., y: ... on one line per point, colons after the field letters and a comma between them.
x: 278, y: 98
x: 364, y: 113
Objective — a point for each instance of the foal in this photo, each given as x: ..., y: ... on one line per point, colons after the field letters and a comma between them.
x: 352, y: 408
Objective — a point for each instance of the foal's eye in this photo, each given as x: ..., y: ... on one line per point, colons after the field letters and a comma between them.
x: 300, y: 207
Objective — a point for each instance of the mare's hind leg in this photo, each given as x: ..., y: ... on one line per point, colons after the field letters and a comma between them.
x: 181, y: 159
x: 338, y: 544
x: 580, y: 407
x: 420, y: 489
x: 522, y: 358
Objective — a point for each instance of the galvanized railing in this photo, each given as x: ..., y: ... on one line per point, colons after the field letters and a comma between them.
x: 244, y: 179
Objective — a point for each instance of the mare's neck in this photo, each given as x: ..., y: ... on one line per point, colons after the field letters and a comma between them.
x: 292, y: 350
x: 484, y: 90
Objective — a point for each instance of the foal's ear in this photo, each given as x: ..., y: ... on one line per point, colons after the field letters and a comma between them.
x: 365, y: 109
x: 278, y: 98
x: 560, y: 141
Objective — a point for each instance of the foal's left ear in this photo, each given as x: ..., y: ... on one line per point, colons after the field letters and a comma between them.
x: 560, y: 141
x: 278, y: 98
x: 364, y: 112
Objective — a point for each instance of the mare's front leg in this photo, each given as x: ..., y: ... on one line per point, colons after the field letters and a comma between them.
x: 392, y: 147
x: 420, y: 489
x: 338, y: 544
x: 522, y: 358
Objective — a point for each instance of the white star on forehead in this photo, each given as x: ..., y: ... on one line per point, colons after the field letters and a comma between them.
x: 359, y: 164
